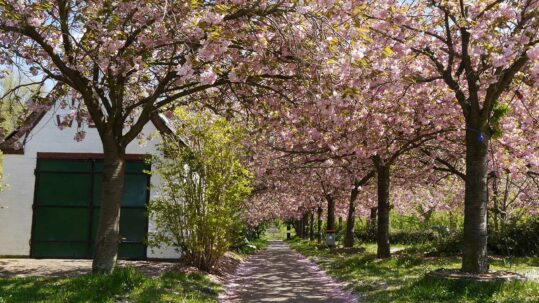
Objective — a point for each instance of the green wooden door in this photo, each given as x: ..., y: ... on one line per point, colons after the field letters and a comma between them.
x: 66, y: 209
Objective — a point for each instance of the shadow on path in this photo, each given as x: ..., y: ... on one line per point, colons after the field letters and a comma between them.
x: 280, y: 274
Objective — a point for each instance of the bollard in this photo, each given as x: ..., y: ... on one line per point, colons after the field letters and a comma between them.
x: 330, y: 238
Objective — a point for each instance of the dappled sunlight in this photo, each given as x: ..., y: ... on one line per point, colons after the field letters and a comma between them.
x: 282, y: 275
x: 403, y: 277
x: 124, y: 285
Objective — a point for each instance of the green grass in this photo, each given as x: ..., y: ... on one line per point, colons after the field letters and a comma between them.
x: 124, y: 285
x: 251, y: 247
x: 402, y: 277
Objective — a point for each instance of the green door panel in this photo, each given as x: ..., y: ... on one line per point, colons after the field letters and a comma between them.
x: 61, y: 250
x: 66, y: 209
x: 135, y: 190
x: 63, y: 189
x: 61, y: 224
x: 126, y: 251
x: 84, y: 166
x: 98, y: 189
x: 131, y: 251
x: 133, y: 225
x: 136, y: 167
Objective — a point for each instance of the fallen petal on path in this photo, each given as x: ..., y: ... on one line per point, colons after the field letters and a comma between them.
x: 280, y: 274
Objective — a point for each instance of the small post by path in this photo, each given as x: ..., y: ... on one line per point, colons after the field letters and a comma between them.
x: 330, y: 238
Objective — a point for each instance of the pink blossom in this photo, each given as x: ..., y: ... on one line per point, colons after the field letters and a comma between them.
x: 80, y: 135
x: 214, y: 18
x: 533, y: 53
x: 233, y: 77
x: 499, y: 61
x: 35, y: 21
x: 208, y: 77
x: 186, y: 71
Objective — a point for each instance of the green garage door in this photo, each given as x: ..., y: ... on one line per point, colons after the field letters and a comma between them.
x: 68, y: 195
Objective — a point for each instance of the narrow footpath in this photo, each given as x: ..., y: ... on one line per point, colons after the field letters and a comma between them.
x: 280, y: 274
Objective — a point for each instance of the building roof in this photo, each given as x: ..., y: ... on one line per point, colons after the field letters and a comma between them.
x: 12, y: 145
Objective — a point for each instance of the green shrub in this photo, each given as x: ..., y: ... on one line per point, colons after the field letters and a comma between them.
x: 204, y: 185
x: 521, y: 238
x: 400, y: 237
x: 443, y: 236
x: 249, y: 246
x: 447, y: 244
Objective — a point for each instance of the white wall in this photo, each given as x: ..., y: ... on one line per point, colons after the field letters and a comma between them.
x: 17, y: 199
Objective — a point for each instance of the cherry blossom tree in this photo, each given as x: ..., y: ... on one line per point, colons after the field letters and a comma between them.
x: 126, y: 60
x: 404, y: 106
x: 479, y: 51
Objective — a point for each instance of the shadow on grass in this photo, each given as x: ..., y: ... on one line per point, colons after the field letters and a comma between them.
x: 402, y: 278
x: 444, y: 290
x: 125, y: 284
x: 94, y: 288
x: 173, y: 286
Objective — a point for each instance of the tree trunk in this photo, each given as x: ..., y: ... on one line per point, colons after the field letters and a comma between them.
x: 372, y: 222
x: 299, y: 229
x: 331, y: 215
x: 108, y: 231
x: 288, y: 231
x: 311, y: 229
x: 330, y: 228
x: 382, y: 235
x: 374, y: 214
x: 474, y: 258
x: 305, y: 226
x: 351, y: 219
x: 319, y: 234
x: 495, y: 201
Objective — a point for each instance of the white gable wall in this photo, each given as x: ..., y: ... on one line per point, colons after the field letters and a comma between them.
x: 17, y: 199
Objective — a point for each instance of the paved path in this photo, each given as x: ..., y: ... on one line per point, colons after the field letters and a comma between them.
x: 280, y: 274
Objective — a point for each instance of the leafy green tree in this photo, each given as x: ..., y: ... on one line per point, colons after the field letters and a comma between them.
x: 15, y: 93
x: 204, y: 185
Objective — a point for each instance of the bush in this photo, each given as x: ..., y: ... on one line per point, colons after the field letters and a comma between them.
x: 203, y: 187
x: 448, y: 244
x: 400, y: 237
x: 520, y: 239
x: 249, y: 246
x: 440, y: 240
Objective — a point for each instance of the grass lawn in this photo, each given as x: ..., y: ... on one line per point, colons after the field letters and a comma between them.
x: 125, y: 285
x: 402, y: 278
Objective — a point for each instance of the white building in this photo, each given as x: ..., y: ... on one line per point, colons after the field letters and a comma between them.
x: 50, y: 206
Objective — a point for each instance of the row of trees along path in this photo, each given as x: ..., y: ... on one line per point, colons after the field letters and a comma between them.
x: 349, y: 99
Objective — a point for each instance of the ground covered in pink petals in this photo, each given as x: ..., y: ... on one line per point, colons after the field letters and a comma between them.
x: 280, y: 274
